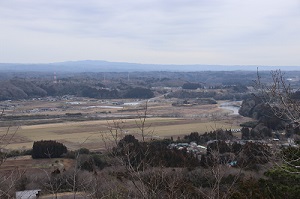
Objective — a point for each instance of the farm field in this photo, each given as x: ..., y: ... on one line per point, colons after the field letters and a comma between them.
x: 91, y: 134
x: 92, y: 129
x: 28, y: 164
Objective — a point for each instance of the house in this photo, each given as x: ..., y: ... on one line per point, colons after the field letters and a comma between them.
x: 28, y: 194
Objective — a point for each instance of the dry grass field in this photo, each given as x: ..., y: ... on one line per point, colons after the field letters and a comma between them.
x: 91, y: 134
x: 27, y: 163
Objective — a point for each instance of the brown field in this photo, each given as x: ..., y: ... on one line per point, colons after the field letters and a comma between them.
x: 92, y: 133
x: 26, y: 163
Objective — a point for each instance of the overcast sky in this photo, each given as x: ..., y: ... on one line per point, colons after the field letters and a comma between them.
x: 230, y: 32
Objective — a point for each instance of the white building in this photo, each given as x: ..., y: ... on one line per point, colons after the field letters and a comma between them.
x: 28, y: 194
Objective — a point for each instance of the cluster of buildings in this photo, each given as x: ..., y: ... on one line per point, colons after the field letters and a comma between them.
x: 191, y: 147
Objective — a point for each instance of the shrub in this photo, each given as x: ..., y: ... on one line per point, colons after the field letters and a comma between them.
x: 48, y: 149
x: 91, y: 162
x: 84, y: 151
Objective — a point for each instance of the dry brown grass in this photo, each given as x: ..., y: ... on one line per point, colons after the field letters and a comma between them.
x: 28, y: 164
x: 90, y: 134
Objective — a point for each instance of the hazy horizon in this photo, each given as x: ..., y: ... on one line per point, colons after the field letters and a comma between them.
x: 107, y: 66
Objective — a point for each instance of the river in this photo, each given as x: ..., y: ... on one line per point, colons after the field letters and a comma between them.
x: 233, y: 106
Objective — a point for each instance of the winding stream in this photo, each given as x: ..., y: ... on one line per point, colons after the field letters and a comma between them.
x: 233, y: 106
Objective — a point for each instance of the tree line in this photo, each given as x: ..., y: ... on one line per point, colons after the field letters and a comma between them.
x: 24, y: 89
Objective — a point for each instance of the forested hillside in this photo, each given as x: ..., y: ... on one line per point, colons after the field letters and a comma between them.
x: 24, y: 85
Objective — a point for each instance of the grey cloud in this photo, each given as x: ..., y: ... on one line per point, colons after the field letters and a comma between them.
x: 161, y: 25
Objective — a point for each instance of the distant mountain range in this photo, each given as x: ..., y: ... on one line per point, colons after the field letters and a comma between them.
x: 105, y: 66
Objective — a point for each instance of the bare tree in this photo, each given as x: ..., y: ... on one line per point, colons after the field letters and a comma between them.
x: 5, y: 140
x: 116, y: 130
x: 217, y: 170
x: 53, y: 182
x: 144, y: 129
x: 134, y: 155
x: 282, y: 98
x: 8, y: 182
x: 9, y: 178
x: 279, y: 96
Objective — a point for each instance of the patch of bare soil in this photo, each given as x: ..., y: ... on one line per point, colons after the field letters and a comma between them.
x: 29, y: 164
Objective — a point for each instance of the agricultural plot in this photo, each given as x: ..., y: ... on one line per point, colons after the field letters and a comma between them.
x: 94, y: 121
x: 91, y: 134
x: 34, y: 166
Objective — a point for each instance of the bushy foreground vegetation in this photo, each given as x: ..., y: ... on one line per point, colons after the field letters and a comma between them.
x: 135, y: 169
